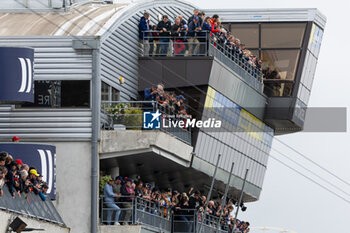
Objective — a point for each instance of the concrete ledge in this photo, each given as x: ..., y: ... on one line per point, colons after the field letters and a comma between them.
x: 124, y: 142
x: 121, y: 229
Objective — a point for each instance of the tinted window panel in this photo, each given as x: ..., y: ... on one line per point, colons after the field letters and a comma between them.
x: 281, y: 62
x: 282, y: 35
x: 57, y: 94
x: 247, y: 33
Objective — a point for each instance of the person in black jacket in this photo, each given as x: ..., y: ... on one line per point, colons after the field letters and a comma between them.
x: 195, y: 13
x: 194, y: 29
x: 178, y: 32
x: 10, y: 181
x: 164, y: 28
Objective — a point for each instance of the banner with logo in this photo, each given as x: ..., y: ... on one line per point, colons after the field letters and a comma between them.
x: 42, y: 157
x: 16, y: 82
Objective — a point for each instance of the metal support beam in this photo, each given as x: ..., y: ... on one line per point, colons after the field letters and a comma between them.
x: 96, y: 95
x: 225, y: 195
x: 211, y: 189
x: 240, y: 198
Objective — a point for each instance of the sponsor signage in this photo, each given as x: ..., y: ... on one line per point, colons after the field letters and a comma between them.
x: 16, y: 82
x: 41, y: 157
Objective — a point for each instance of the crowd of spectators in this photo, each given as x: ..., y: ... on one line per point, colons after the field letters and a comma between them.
x: 20, y: 178
x: 122, y: 192
x: 168, y: 101
x: 191, y: 37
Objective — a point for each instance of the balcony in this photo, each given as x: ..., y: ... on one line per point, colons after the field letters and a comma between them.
x: 128, y: 115
x: 187, y: 48
x: 151, y: 215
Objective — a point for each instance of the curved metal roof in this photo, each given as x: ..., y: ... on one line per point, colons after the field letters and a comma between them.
x: 81, y: 20
x: 87, y: 19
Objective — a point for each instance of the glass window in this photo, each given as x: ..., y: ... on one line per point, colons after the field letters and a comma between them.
x: 109, y: 93
x: 280, y: 64
x: 57, y: 94
x: 279, y: 68
x: 282, y: 35
x: 115, y: 94
x: 75, y: 93
x: 247, y: 33
x: 104, y: 92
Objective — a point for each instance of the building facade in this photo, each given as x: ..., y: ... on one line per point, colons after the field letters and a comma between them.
x: 81, y: 52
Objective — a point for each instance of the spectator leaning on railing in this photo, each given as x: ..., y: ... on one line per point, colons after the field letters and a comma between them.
x: 178, y: 31
x: 192, y: 38
x: 194, y: 29
x: 167, y: 102
x: 128, y: 190
x: 188, y: 207
x: 109, y: 202
x: 15, y: 175
x: 164, y: 28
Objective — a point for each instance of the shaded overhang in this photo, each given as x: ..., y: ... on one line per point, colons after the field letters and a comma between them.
x: 168, y: 162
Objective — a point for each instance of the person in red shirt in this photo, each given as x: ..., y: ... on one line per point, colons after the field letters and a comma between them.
x: 214, y: 20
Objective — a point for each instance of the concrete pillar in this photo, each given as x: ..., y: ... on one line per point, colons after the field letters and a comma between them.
x: 114, y: 172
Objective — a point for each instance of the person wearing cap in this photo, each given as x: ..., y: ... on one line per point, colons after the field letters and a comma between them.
x: 109, y: 202
x: 127, y: 190
x: 118, y: 182
x: 19, y: 164
x: 34, y: 178
x: 195, y: 13
x: 180, y: 105
x: 194, y: 29
x: 15, y: 139
x: 143, y: 33
x: 164, y: 28
x: 43, y: 191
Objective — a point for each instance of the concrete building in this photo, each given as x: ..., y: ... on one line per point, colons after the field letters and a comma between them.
x: 82, y: 50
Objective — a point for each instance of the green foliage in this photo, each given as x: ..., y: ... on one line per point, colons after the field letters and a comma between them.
x: 126, y: 115
x: 103, y: 181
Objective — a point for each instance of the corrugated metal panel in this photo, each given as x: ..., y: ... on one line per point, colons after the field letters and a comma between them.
x: 240, y: 148
x: 45, y: 124
x: 55, y: 59
x: 119, y: 44
x: 235, y: 88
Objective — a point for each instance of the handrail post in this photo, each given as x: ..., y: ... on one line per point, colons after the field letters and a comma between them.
x: 240, y: 198
x: 210, y: 190
x: 225, y: 196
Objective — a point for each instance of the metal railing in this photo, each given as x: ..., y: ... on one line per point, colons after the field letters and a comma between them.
x: 252, y: 75
x: 31, y: 205
x: 185, y: 220
x: 130, y: 115
x: 175, y: 45
x: 203, y: 45
x: 127, y: 210
x: 135, y: 210
x: 209, y: 223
